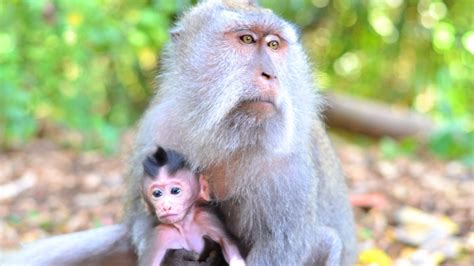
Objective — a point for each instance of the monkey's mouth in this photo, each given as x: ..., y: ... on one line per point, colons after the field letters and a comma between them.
x: 168, y: 216
x: 260, y: 107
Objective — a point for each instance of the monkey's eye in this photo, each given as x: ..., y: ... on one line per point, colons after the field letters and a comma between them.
x: 175, y: 190
x: 273, y: 44
x: 157, y: 193
x: 247, y: 39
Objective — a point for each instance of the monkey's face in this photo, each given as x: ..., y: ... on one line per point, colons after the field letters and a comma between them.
x: 238, y: 70
x: 172, y: 197
x: 260, y: 93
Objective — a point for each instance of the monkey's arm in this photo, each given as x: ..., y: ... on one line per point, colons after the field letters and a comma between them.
x: 108, y: 245
x: 157, y: 258
x: 216, y: 231
x: 333, y: 203
x: 165, y: 239
x: 231, y: 252
x: 324, y: 249
x: 229, y: 248
x: 328, y: 248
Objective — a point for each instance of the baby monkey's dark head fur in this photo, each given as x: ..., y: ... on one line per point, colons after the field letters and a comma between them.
x: 161, y: 157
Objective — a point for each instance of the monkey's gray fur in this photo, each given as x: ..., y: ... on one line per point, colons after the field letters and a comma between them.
x: 285, y: 195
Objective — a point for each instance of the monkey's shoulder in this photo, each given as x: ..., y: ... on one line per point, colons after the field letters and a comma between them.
x: 208, y: 218
x: 206, y: 214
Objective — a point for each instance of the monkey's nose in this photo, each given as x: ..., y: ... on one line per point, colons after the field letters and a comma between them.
x: 166, y: 208
x: 267, y: 76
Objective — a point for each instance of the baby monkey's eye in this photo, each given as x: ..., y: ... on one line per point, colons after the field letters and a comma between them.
x: 273, y: 44
x: 157, y: 193
x: 175, y: 190
x: 247, y: 38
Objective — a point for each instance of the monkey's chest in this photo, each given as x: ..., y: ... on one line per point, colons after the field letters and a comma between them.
x: 193, y: 241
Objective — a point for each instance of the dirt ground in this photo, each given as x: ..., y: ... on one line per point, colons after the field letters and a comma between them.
x: 409, y: 211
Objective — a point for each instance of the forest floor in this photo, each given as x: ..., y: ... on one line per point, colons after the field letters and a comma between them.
x: 413, y: 210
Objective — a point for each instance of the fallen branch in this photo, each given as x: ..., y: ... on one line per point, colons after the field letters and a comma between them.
x: 375, y: 119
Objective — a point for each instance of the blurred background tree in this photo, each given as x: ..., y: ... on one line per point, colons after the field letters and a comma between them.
x: 88, y: 66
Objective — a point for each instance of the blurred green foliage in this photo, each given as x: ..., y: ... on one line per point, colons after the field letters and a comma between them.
x: 391, y: 148
x: 85, y: 65
x: 89, y: 65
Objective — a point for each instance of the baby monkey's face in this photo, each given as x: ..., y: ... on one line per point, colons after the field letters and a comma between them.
x: 172, y: 196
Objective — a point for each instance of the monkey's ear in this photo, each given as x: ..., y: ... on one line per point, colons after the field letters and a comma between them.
x: 204, y: 185
x: 253, y: 2
x: 244, y: 2
x: 160, y: 156
x: 249, y: 2
x: 176, y: 33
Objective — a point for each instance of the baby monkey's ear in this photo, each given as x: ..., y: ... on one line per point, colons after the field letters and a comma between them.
x: 204, y: 185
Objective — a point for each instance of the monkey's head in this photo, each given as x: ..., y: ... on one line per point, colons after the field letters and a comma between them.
x: 238, y: 78
x: 171, y: 189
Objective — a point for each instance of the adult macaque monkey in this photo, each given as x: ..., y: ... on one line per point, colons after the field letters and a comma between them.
x: 179, y: 199
x: 236, y: 96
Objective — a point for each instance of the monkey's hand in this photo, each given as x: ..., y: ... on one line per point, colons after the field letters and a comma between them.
x: 236, y: 262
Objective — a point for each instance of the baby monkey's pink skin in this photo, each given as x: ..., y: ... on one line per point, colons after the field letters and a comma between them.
x: 183, y: 223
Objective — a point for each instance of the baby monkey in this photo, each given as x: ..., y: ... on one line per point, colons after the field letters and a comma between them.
x: 179, y: 198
